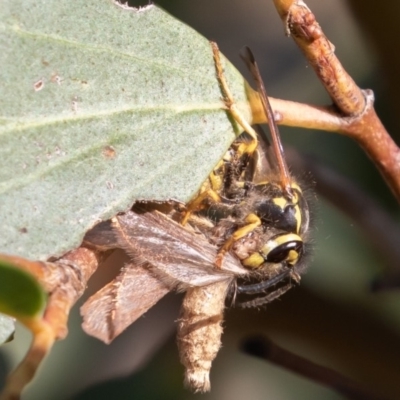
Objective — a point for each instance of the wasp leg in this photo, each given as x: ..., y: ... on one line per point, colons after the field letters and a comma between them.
x: 215, y: 179
x: 207, y: 193
x: 264, y: 285
x: 199, y: 202
x: 244, y: 148
x: 260, y: 301
x: 252, y: 222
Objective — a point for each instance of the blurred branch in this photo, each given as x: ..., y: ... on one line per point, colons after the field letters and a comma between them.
x: 382, y: 33
x: 353, y: 114
x: 386, y: 282
x: 42, y: 342
x: 345, y: 332
x: 260, y: 346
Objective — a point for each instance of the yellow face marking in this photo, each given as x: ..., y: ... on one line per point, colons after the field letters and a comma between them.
x: 295, y: 201
x: 293, y: 256
x: 297, y: 211
x: 253, y: 261
x: 294, y: 185
x: 297, y: 214
x: 281, y: 202
x: 257, y: 259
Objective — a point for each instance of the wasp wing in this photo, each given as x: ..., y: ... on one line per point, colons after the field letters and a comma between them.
x: 284, y: 176
x: 262, y: 166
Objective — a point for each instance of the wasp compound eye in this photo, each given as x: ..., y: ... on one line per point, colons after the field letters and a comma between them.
x: 280, y: 248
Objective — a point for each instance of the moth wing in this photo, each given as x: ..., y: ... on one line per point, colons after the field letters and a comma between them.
x: 179, y: 257
x: 165, y: 256
x: 121, y: 302
x: 101, y: 236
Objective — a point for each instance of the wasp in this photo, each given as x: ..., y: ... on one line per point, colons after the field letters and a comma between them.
x: 258, y: 210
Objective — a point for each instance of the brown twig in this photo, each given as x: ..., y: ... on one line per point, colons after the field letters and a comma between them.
x: 301, y: 24
x: 353, y: 114
x: 264, y: 348
x: 296, y: 114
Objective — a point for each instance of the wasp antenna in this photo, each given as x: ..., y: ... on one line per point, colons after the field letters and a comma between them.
x: 248, y: 57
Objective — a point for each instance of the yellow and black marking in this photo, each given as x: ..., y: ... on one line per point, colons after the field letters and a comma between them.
x: 288, y: 214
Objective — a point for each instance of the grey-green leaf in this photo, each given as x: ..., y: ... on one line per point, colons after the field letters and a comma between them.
x: 100, y: 105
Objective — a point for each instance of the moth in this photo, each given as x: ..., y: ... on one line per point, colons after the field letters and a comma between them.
x: 165, y: 256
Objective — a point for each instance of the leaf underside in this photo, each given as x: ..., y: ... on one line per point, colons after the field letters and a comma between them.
x: 101, y: 105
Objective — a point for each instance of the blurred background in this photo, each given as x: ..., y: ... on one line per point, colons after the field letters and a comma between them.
x: 333, y: 318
